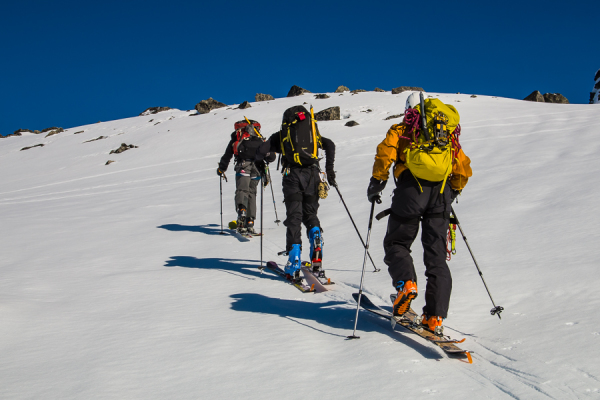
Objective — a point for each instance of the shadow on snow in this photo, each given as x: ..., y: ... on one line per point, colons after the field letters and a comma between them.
x: 334, y: 314
x: 232, y: 266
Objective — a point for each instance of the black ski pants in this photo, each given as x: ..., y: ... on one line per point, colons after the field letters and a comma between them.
x: 300, y: 195
x: 430, y: 209
x: 247, y: 177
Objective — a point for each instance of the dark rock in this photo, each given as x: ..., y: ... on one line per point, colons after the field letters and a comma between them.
x: 154, y: 110
x: 472, y: 96
x: 367, y: 110
x: 297, y: 91
x: 357, y: 91
x: 321, y: 96
x: 77, y: 133
x: 109, y: 162
x: 395, y: 116
x: 535, y: 96
x: 244, y: 105
x: 53, y: 128
x: 555, y: 98
x: 342, y: 89
x: 263, y: 97
x: 22, y: 130
x: 205, y: 106
x: 98, y: 138
x: 328, y: 114
x: 37, y: 132
x: 31, y: 147
x: 54, y: 131
x: 17, y: 133
x: 124, y: 147
x: 401, y: 89
x: 379, y: 90
x: 354, y: 123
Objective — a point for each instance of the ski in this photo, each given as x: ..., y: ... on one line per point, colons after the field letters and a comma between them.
x: 240, y: 235
x: 445, y: 343
x: 320, y: 275
x: 304, y: 288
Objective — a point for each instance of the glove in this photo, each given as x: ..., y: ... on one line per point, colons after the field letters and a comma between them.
x: 331, y: 176
x: 374, y: 190
x: 219, y: 172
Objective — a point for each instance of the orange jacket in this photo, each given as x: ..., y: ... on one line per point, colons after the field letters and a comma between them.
x: 391, y: 150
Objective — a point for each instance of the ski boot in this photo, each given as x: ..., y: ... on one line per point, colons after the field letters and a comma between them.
x: 241, y: 221
x: 250, y: 227
x: 433, y: 324
x: 315, y: 236
x: 292, y: 267
x: 407, y: 292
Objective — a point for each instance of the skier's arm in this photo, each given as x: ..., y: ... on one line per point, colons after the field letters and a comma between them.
x: 329, y: 148
x: 224, y: 163
x: 267, y: 150
x: 461, y: 171
x: 387, y: 153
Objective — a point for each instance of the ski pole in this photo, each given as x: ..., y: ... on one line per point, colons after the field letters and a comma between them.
x: 277, y: 221
x: 375, y: 269
x: 362, y: 276
x: 221, y: 197
x: 497, y: 309
x: 262, y: 191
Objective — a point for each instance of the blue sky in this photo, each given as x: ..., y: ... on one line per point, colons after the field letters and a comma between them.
x: 69, y: 63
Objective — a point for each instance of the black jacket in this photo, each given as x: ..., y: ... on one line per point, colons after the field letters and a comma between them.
x: 250, y: 147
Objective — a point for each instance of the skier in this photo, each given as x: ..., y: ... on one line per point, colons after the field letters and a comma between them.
x: 418, y: 199
x: 248, y: 172
x: 298, y: 141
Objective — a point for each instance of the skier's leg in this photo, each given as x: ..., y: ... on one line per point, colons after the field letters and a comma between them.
x: 292, y: 198
x: 400, y: 235
x: 242, y: 181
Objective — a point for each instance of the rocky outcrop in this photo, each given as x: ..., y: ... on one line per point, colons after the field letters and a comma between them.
x: 122, y: 148
x: 154, y: 110
x: 342, y: 89
x: 379, y: 90
x: 328, y: 114
x: 535, y: 96
x: 547, y: 98
x: 394, y: 116
x: 401, y: 89
x: 263, y: 97
x: 555, y: 98
x: 595, y: 93
x: 351, y: 123
x: 98, y: 138
x: 244, y: 105
x: 357, y: 91
x: 321, y: 96
x: 206, y: 106
x: 31, y: 147
x: 53, y: 131
x: 297, y: 91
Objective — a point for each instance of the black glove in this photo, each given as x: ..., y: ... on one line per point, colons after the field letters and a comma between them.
x: 331, y: 176
x: 219, y: 172
x: 374, y: 190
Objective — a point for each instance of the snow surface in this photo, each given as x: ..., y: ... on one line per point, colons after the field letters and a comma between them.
x: 116, y: 283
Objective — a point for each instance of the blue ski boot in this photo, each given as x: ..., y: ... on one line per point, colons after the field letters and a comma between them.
x: 292, y: 267
x: 316, y: 248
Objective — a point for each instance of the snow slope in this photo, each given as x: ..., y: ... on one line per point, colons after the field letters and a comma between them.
x: 116, y: 283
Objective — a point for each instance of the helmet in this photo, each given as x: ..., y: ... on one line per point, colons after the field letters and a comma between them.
x: 412, y: 100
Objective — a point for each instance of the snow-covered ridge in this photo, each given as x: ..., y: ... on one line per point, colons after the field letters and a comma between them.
x: 116, y: 283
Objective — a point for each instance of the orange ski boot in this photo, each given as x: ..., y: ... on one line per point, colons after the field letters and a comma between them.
x: 434, y: 324
x: 407, y: 292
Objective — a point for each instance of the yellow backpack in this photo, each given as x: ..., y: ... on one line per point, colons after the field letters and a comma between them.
x: 432, y: 159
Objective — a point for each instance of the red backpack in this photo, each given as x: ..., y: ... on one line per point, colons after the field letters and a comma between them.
x: 243, y: 132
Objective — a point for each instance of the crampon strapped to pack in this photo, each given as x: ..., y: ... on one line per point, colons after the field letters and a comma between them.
x: 434, y: 140
x: 244, y: 130
x: 300, y: 137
